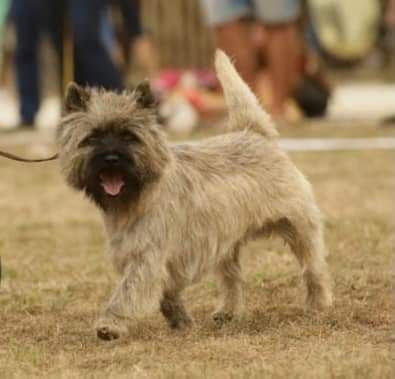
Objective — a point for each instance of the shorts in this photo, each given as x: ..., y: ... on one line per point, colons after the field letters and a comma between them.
x: 268, y: 11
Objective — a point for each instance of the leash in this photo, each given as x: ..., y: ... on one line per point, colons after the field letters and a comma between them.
x: 14, y: 157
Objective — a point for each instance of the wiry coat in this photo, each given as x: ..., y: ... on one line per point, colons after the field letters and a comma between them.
x: 198, y: 204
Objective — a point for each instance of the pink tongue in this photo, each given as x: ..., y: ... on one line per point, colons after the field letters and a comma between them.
x: 112, y: 184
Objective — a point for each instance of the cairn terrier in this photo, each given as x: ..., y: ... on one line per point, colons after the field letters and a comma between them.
x: 174, y: 213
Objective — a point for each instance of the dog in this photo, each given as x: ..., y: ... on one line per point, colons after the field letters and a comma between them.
x: 175, y: 213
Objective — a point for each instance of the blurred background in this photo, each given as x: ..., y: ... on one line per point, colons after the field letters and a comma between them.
x: 316, y: 59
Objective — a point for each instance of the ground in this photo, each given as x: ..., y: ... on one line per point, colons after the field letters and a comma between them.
x: 56, y: 275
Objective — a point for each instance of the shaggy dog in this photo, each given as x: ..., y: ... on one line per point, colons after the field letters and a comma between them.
x: 174, y: 213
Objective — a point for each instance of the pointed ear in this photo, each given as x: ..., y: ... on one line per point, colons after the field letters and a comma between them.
x: 76, y: 99
x: 145, y: 98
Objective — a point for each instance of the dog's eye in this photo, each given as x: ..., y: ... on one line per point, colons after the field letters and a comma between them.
x: 87, y: 141
x: 129, y: 137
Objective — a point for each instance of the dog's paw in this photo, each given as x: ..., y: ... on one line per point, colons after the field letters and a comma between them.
x: 319, y: 303
x: 108, y: 331
x: 107, y: 334
x: 222, y: 317
x: 182, y: 323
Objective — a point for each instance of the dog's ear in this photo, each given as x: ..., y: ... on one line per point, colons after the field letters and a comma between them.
x: 76, y: 99
x: 145, y: 98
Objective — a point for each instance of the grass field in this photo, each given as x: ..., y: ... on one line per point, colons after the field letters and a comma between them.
x: 56, y: 275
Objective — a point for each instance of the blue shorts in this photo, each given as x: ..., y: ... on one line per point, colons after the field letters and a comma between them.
x: 268, y: 11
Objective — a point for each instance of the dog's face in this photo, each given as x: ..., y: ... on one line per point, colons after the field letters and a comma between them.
x: 111, y: 146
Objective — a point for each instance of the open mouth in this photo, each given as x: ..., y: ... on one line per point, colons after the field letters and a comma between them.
x: 112, y: 182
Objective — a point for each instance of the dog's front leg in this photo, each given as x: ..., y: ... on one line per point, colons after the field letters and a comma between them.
x: 138, y: 292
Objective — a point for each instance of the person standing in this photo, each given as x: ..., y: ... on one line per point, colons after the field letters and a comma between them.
x: 27, y: 18
x: 92, y: 61
x: 283, y: 47
x: 93, y: 64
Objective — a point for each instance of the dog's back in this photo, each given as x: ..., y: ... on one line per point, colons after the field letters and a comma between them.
x: 245, y: 163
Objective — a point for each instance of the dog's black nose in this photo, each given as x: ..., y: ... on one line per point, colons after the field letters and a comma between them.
x: 111, y: 158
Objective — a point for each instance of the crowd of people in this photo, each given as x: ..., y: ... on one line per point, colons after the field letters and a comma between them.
x: 84, y: 32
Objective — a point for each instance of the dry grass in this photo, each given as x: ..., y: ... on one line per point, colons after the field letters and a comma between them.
x: 56, y: 275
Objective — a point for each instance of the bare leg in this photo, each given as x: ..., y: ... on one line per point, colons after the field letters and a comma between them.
x: 284, y: 52
x: 231, y: 282
x: 234, y: 39
x: 138, y: 292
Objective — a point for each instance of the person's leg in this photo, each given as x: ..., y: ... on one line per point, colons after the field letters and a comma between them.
x: 131, y: 12
x: 54, y: 13
x: 234, y: 38
x: 94, y: 66
x: 284, y: 47
x: 137, y: 44
x: 283, y: 51
x: 232, y: 34
x: 26, y: 16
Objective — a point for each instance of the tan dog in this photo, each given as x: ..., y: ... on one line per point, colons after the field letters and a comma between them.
x: 176, y: 213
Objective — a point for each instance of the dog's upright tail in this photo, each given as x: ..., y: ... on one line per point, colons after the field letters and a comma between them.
x: 245, y: 112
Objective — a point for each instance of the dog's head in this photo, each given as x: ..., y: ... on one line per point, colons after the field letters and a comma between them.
x: 110, y: 144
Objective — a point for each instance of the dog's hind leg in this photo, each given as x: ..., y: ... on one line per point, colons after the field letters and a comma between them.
x: 304, y: 236
x: 231, y: 286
